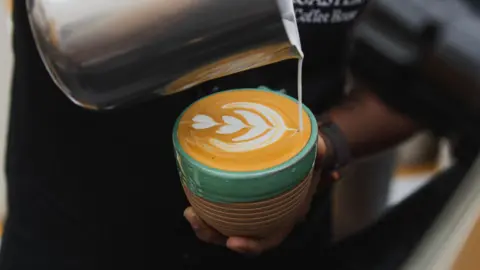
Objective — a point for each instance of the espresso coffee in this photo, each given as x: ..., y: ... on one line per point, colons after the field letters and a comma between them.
x: 243, y: 130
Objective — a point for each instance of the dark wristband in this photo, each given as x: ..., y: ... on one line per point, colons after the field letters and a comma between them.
x: 337, y: 149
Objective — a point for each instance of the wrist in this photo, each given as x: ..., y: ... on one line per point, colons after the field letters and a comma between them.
x: 333, y: 146
x: 326, y: 154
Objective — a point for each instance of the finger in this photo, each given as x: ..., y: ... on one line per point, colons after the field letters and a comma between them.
x: 257, y: 246
x: 202, y: 230
x: 245, y: 245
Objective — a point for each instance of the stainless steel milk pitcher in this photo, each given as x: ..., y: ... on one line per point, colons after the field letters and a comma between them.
x: 107, y: 53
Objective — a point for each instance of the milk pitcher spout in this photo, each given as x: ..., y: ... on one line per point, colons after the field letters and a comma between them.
x: 109, y: 53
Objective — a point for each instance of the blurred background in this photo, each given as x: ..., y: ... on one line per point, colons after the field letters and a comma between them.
x: 5, y: 75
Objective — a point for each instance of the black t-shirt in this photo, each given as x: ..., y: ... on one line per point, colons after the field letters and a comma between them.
x: 99, y: 190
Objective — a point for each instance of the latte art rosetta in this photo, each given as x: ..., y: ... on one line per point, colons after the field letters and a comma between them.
x: 243, y: 130
x: 262, y: 131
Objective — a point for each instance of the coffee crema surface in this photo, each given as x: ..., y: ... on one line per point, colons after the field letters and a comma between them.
x: 243, y: 130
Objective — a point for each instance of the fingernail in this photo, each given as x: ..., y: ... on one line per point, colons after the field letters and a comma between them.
x: 188, y: 212
x: 192, y: 219
x: 195, y: 222
x: 195, y: 227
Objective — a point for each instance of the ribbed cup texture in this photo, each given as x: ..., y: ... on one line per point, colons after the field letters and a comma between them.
x: 254, y: 219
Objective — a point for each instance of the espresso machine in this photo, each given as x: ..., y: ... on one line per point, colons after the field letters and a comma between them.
x: 423, y: 57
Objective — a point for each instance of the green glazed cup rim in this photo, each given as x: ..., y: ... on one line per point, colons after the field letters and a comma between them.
x: 241, y: 176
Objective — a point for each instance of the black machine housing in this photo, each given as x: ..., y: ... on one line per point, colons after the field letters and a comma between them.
x: 423, y: 58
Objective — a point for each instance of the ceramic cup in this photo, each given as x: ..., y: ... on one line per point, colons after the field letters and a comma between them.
x: 243, y: 161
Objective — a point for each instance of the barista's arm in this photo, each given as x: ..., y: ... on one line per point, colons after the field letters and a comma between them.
x: 367, y: 125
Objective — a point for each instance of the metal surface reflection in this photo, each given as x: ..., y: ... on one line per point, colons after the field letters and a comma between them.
x: 107, y: 53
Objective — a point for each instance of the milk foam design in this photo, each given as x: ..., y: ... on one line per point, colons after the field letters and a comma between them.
x: 260, y: 132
